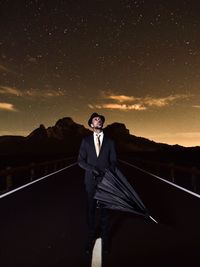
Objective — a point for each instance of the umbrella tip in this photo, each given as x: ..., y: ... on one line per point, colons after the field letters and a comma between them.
x: 153, y: 219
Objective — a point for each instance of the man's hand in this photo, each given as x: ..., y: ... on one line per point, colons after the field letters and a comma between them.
x: 96, y: 172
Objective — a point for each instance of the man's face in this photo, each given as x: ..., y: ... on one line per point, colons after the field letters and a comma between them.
x: 97, y: 123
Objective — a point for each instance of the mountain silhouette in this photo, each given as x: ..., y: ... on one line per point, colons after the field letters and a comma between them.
x: 64, y: 138
x: 63, y: 129
x: 70, y: 133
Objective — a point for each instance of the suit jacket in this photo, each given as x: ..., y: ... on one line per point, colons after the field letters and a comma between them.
x: 88, y: 160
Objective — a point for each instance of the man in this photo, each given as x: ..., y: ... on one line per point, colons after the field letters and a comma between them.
x: 97, y: 153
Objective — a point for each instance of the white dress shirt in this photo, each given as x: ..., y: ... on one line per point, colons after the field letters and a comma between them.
x: 101, y: 134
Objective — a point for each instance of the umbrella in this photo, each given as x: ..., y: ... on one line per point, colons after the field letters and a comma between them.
x: 115, y: 192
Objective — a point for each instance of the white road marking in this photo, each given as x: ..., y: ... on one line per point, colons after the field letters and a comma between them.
x: 35, y: 181
x: 96, y: 254
x: 168, y: 182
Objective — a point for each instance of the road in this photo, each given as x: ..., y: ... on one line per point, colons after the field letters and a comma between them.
x: 44, y: 224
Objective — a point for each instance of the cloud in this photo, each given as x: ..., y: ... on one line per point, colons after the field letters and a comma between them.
x: 7, y: 106
x: 118, y: 106
x: 125, y: 102
x: 43, y: 93
x: 10, y: 91
x: 122, y: 98
x: 32, y: 94
x: 196, y: 106
x: 6, y: 90
x: 164, y: 101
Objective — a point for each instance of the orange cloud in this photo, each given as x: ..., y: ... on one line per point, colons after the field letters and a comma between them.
x: 137, y: 103
x: 118, y: 106
x: 10, y: 90
x: 30, y: 93
x: 196, y: 106
x: 7, y: 106
x: 164, y: 101
x: 122, y: 98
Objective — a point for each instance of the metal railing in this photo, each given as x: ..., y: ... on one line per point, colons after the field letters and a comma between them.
x: 16, y: 176
x: 168, y: 202
x: 186, y: 176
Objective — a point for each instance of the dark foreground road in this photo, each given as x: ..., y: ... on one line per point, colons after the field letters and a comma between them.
x: 44, y: 225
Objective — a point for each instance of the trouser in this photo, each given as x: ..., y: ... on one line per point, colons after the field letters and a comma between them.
x: 104, y: 218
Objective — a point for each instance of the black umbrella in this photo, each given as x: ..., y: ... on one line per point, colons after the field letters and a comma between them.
x: 115, y: 192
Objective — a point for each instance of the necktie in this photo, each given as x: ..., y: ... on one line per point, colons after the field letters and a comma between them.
x: 98, y: 144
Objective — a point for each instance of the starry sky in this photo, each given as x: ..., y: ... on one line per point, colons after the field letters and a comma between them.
x: 135, y: 62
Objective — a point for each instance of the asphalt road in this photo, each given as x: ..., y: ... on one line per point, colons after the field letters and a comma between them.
x: 45, y: 225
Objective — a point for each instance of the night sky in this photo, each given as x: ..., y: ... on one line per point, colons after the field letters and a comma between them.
x: 135, y: 62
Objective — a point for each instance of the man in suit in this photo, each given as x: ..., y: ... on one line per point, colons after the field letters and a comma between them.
x: 97, y: 153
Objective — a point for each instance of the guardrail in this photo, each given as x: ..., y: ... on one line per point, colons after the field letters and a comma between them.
x: 169, y: 203
x: 13, y: 177
x: 188, y: 177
